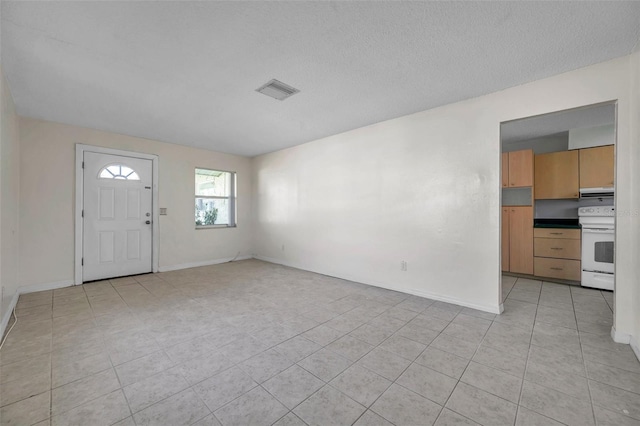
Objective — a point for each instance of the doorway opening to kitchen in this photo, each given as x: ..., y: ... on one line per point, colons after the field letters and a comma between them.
x: 558, y: 216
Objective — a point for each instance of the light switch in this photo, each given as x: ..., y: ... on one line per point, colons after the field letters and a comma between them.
x: 163, y: 211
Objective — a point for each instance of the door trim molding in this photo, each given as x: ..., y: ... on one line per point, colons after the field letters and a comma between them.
x: 79, y: 200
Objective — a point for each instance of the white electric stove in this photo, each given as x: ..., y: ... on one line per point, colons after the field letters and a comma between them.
x: 598, y: 232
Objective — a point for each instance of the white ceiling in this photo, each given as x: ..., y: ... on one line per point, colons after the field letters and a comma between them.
x: 185, y: 72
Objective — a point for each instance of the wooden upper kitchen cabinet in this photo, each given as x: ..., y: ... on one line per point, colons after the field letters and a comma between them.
x: 521, y: 239
x: 505, y: 169
x: 520, y: 168
x: 556, y: 175
x: 596, y: 167
x: 505, y: 239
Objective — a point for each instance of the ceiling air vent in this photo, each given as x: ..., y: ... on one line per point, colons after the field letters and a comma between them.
x: 277, y: 90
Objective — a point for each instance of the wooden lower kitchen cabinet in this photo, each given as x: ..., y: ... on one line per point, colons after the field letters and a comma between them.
x: 520, y: 239
x: 505, y: 239
x: 563, y: 269
x: 557, y: 253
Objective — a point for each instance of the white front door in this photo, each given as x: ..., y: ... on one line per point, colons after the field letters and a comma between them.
x: 117, y: 216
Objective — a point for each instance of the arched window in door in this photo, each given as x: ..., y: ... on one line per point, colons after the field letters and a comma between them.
x: 118, y: 171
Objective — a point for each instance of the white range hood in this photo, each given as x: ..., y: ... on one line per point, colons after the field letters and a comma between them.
x: 600, y: 192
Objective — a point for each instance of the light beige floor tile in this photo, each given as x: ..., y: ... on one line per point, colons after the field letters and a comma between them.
x: 429, y: 383
x: 28, y: 411
x: 443, y: 362
x: 293, y: 386
x: 201, y: 317
x: 329, y: 407
x: 224, y: 387
x: 153, y: 389
x: 265, y: 365
x: 67, y: 372
x: 615, y: 399
x: 77, y: 393
x: 350, y: 347
x: 384, y: 363
x: 325, y: 364
x: 210, y: 420
x: 416, y: 410
x: 451, y: 418
x: 198, y: 369
x: 290, y: 420
x: 105, y: 410
x: 369, y: 418
x: 323, y: 335
x: 556, y: 405
x: 453, y: 345
x: 183, y: 408
x: 22, y: 388
x: 362, y: 385
x: 256, y: 407
x: 504, y: 361
x: 548, y: 375
x: 609, y: 418
x: 29, y: 367
x: 614, y: 376
x: 527, y: 417
x: 141, y: 368
x: 481, y: 406
x: 494, y: 381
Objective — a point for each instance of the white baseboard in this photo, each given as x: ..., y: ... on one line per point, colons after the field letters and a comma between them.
x: 412, y: 291
x: 7, y: 315
x: 33, y: 288
x: 620, y: 337
x: 634, y: 345
x: 203, y: 263
x: 44, y: 286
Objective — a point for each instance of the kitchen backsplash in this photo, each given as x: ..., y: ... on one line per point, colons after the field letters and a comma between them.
x: 566, y: 209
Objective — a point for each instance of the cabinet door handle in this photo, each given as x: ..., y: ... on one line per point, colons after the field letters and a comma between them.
x: 556, y: 233
x: 556, y: 248
x: 556, y: 269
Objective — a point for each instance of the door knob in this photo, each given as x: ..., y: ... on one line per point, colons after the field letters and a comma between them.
x: 148, y: 222
x: 148, y: 214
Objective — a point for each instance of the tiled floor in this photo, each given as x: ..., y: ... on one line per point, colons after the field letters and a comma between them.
x: 251, y: 343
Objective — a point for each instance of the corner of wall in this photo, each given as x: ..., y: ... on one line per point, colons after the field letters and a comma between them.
x: 9, y: 201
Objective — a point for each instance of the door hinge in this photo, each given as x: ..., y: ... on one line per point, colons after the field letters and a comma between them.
x: 83, y: 164
x: 82, y: 213
x: 82, y: 262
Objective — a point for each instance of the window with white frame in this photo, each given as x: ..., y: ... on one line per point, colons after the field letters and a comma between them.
x: 215, y: 198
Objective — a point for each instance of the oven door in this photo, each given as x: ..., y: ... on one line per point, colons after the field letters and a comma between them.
x: 597, y: 250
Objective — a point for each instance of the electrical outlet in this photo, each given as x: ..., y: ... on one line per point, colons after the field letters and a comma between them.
x: 403, y: 265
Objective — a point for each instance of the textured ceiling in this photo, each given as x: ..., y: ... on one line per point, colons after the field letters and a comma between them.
x: 185, y: 72
x: 557, y: 122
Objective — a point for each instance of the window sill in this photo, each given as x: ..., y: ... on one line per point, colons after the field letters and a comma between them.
x: 215, y: 226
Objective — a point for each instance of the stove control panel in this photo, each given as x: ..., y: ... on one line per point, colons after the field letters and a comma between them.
x: 597, y: 211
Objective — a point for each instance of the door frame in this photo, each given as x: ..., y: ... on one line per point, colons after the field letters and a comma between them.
x: 79, y: 237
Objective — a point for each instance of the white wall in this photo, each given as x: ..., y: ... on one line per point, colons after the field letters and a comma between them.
x: 634, y: 212
x: 425, y: 188
x: 47, y: 186
x: 587, y: 137
x: 9, y: 196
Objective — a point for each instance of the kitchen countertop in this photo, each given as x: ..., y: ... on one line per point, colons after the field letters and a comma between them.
x: 556, y: 223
